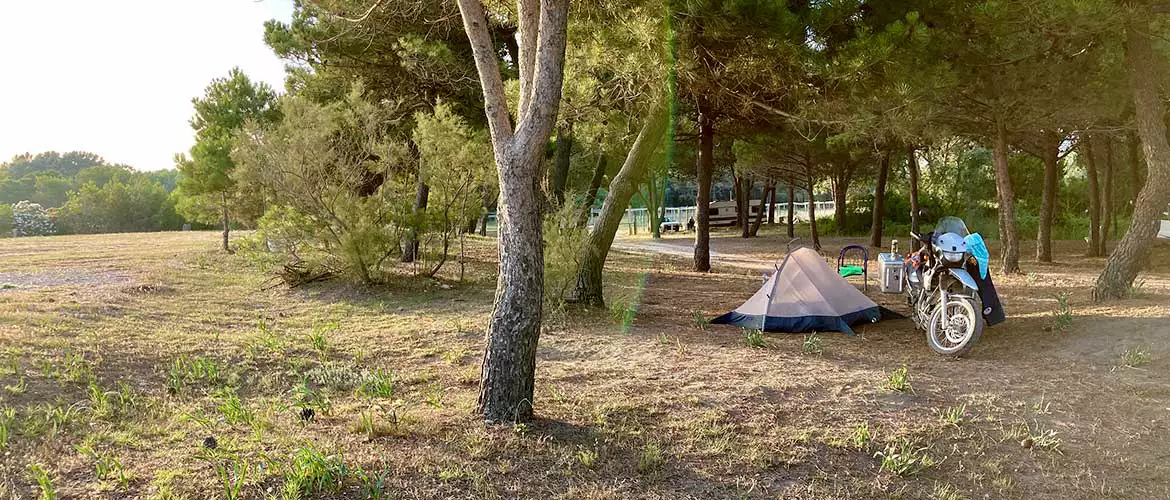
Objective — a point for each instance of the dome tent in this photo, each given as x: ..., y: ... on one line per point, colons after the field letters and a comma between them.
x: 804, y: 295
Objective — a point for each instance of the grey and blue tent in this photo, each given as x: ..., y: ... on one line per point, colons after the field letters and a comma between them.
x: 804, y: 295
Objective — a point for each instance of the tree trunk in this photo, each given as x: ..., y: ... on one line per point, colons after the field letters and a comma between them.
x: 226, y: 222
x: 1108, y: 225
x: 812, y: 211
x: 760, y: 215
x: 879, y: 202
x: 912, y: 166
x: 1094, y: 199
x: 1133, y: 251
x: 560, y: 173
x: 483, y: 224
x: 741, y: 202
x: 410, y: 243
x: 704, y: 166
x: 840, y: 187
x: 1135, y: 168
x: 623, y: 186
x: 771, y: 195
x: 594, y: 186
x: 1051, y: 157
x: 1008, y: 237
x: 791, y: 207
x: 746, y: 214
x: 509, y: 362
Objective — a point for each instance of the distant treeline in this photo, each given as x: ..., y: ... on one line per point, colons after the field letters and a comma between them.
x: 79, y: 192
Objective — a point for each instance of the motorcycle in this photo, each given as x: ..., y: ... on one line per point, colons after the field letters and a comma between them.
x: 943, y: 287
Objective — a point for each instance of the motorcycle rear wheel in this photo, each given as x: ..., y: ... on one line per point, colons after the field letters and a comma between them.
x: 959, y: 335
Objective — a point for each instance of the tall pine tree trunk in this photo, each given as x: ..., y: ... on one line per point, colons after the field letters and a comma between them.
x: 746, y: 213
x: 410, y: 243
x: 1132, y: 252
x: 704, y: 168
x: 879, y: 202
x: 1094, y: 199
x: 760, y: 214
x: 560, y: 173
x: 509, y: 363
x: 226, y: 222
x: 1108, y: 225
x: 840, y: 187
x: 1135, y: 168
x: 812, y: 210
x: 623, y: 186
x: 912, y: 166
x: 771, y: 195
x: 741, y: 202
x: 1051, y: 157
x: 1009, y: 237
x: 791, y: 207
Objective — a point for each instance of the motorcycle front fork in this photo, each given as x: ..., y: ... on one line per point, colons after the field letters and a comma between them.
x: 942, y: 302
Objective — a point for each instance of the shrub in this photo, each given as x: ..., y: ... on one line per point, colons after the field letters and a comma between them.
x: 563, y: 238
x: 332, y: 197
x: 31, y: 219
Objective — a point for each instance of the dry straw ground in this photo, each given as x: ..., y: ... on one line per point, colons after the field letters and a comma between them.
x: 120, y: 355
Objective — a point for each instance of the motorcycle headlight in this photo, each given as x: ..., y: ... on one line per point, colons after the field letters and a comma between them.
x: 953, y: 257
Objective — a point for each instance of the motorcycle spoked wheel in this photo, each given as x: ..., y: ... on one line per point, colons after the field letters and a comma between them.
x: 961, y: 331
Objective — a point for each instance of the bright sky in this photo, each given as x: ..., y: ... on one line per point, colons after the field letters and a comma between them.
x: 116, y: 77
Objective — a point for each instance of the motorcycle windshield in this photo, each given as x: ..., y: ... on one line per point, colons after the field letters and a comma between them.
x: 950, y: 225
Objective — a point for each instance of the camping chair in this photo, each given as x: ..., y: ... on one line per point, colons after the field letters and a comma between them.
x: 852, y: 261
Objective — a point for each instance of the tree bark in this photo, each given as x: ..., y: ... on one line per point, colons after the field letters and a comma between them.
x: 746, y: 214
x: 912, y: 166
x: 791, y: 207
x: 879, y: 202
x: 560, y: 173
x: 755, y: 229
x: 1048, y: 198
x: 771, y: 195
x: 410, y: 244
x: 1094, y: 199
x: 623, y: 186
x: 1009, y: 238
x: 812, y: 210
x: 509, y: 363
x: 226, y: 222
x: 1108, y: 225
x: 741, y: 203
x: 1135, y: 168
x: 704, y: 166
x: 1051, y: 157
x: 840, y: 187
x: 1133, y: 251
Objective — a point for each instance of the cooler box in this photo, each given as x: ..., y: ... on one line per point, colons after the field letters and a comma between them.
x: 890, y: 272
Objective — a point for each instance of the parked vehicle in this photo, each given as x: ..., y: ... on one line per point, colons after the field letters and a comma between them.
x: 949, y: 289
x: 669, y: 225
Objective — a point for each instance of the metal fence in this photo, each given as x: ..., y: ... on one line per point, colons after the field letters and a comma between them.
x: 638, y: 219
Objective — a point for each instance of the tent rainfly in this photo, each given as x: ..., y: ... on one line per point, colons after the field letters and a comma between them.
x: 804, y: 295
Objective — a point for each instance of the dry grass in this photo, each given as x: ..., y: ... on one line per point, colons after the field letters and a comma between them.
x: 134, y: 349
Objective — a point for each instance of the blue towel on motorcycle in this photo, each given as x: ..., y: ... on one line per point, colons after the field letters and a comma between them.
x: 978, y: 249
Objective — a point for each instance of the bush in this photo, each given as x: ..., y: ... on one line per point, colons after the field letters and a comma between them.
x: 563, y: 238
x: 5, y: 220
x: 332, y: 197
x: 139, y: 204
x: 31, y: 219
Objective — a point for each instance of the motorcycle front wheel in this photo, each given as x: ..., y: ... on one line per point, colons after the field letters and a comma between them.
x: 961, y: 330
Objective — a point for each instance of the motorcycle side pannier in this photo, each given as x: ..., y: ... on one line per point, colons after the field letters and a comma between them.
x: 890, y: 272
